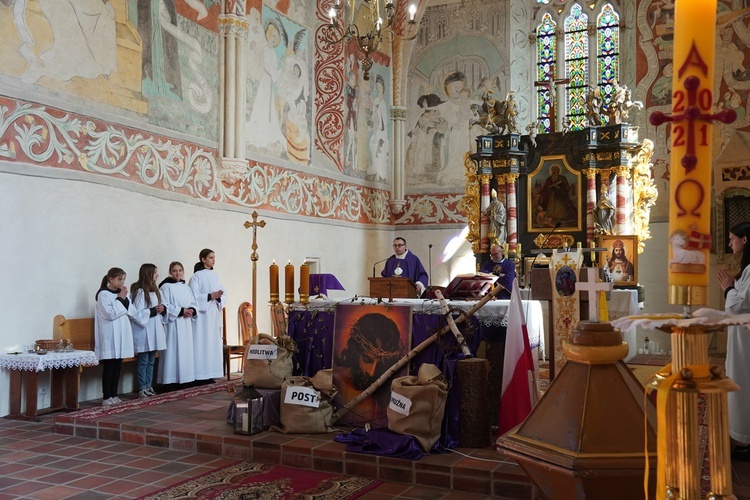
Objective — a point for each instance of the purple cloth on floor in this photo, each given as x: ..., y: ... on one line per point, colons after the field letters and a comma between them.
x: 383, y: 442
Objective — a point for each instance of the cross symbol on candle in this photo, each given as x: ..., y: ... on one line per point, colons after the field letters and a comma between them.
x: 697, y: 99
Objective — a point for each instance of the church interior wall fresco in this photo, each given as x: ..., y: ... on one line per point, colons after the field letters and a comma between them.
x: 160, y: 68
x: 731, y: 143
x: 328, y: 155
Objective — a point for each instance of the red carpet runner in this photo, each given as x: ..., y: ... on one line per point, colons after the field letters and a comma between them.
x: 256, y: 480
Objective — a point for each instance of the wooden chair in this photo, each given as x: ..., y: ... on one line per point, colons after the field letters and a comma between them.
x: 278, y: 319
x: 245, y: 323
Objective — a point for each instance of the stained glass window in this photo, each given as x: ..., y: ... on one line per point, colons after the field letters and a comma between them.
x: 608, y: 44
x: 584, y: 68
x: 576, y: 66
x: 546, y: 50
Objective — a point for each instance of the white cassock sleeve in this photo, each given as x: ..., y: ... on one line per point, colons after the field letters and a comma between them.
x: 738, y: 299
x: 110, y: 308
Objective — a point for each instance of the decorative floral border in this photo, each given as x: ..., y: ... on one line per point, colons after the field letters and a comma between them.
x: 432, y: 209
x: 53, y: 138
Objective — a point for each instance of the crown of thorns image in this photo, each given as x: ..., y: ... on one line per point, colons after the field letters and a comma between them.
x: 366, y: 346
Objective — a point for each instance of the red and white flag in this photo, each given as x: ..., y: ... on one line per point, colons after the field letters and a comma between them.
x: 518, y: 368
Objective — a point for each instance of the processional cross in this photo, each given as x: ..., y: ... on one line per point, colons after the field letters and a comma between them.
x: 255, y: 224
x: 593, y: 287
x: 549, y: 85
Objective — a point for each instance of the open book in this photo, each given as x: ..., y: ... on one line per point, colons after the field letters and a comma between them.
x: 469, y: 286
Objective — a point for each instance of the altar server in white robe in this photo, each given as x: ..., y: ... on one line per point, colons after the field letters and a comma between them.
x: 207, y: 339
x: 113, y: 336
x: 737, y: 301
x: 177, y: 361
x: 148, y: 326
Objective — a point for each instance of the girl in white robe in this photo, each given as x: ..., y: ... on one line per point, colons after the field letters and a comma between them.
x: 148, y: 326
x: 737, y: 301
x: 112, y: 332
x: 207, y: 338
x: 177, y: 361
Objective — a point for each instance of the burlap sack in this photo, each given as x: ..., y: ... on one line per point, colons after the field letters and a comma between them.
x: 423, y: 398
x: 269, y: 373
x: 302, y: 419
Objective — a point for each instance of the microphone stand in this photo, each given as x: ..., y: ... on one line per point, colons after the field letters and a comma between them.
x: 429, y: 277
x: 378, y: 262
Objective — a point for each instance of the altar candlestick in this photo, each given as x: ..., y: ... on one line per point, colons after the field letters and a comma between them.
x: 691, y: 160
x: 273, y: 272
x: 304, y: 283
x: 289, y: 283
x: 593, y: 254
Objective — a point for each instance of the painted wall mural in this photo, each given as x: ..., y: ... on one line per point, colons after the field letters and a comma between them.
x: 459, y: 56
x: 278, y: 94
x: 731, y: 143
x: 144, y: 60
x: 48, y: 137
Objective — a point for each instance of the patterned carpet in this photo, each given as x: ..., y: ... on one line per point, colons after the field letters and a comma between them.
x: 245, y: 480
x: 138, y: 403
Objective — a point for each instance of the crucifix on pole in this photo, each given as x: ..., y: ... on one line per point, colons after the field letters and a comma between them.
x: 550, y: 86
x: 255, y: 224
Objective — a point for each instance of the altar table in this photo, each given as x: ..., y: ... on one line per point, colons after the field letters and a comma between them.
x: 312, y: 326
x: 24, y: 373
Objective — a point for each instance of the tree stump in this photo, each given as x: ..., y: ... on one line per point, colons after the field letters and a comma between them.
x: 474, y: 426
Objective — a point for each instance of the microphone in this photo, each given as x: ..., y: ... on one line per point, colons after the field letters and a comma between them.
x: 557, y: 225
x: 429, y: 277
x: 378, y: 262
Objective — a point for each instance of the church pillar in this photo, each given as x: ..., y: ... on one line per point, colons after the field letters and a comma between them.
x: 624, y: 206
x: 590, y: 203
x: 512, y: 211
x: 398, y: 120
x: 233, y: 29
x: 484, y: 225
x: 517, y: 20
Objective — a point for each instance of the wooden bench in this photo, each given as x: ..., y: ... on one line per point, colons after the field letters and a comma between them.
x: 79, y: 331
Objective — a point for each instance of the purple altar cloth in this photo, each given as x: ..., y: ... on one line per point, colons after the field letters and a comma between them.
x: 321, y: 283
x: 313, y: 333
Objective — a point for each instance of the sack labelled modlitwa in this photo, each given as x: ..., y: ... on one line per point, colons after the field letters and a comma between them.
x: 418, y: 404
x: 268, y: 361
x: 306, y: 404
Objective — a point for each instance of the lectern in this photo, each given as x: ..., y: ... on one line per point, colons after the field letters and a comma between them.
x: 392, y: 288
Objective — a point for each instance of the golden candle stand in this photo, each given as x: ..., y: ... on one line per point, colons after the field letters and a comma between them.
x: 682, y: 388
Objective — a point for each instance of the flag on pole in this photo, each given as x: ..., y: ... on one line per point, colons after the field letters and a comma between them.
x: 516, y: 393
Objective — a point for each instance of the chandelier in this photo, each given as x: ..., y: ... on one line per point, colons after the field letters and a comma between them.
x: 379, y: 24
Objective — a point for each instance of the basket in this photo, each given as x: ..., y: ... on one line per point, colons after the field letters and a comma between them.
x: 48, y: 345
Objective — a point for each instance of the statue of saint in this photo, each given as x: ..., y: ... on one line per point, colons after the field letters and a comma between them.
x: 604, y: 214
x: 498, y: 215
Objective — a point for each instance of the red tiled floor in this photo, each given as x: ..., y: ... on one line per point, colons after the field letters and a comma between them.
x: 35, y: 463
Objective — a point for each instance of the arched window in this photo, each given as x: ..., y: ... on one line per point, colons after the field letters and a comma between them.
x: 589, y: 54
x: 546, y: 58
x: 424, y: 31
x: 576, y: 66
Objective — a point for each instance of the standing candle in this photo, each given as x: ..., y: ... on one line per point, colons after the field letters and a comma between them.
x: 289, y: 283
x: 273, y: 273
x: 691, y: 162
x: 304, y: 283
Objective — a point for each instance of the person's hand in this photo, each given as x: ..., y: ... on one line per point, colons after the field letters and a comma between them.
x: 160, y: 308
x: 725, y: 280
x: 123, y: 292
x: 187, y: 313
x: 217, y: 294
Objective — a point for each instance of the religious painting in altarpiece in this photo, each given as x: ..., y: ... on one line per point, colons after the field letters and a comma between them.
x: 620, y: 261
x: 553, y: 196
x: 367, y: 341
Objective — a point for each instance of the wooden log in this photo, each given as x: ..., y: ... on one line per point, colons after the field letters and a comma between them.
x: 475, y: 418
